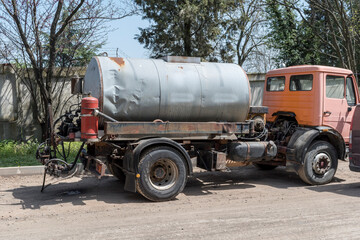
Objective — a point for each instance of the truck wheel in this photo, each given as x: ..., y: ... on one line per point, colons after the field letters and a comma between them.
x: 320, y: 164
x: 264, y: 167
x: 162, y: 174
x: 117, y: 172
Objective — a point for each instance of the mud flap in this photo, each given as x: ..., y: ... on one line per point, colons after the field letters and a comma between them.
x: 130, y: 182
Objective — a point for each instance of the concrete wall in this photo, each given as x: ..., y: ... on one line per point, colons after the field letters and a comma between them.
x: 8, y: 102
x: 16, y: 115
x: 257, y: 81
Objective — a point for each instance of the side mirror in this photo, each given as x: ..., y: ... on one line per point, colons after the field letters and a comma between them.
x: 349, y: 109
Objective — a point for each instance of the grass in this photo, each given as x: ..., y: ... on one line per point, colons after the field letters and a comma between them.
x: 15, y: 154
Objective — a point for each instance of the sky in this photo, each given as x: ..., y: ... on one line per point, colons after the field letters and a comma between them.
x: 121, y: 42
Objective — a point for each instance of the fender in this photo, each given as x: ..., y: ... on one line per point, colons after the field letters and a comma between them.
x: 303, y: 137
x: 132, y: 158
x: 284, y: 114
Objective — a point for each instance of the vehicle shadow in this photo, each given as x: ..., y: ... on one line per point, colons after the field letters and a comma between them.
x: 110, y: 190
x: 204, y: 183
x: 347, y: 189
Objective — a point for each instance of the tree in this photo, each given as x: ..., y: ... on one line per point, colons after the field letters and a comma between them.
x: 332, y: 28
x: 244, y: 31
x: 215, y: 30
x: 37, y: 36
x: 341, y: 30
x: 183, y: 27
x: 293, y: 39
x: 76, y: 47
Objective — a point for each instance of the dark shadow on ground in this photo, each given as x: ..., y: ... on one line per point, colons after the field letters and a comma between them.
x: 110, y: 190
x: 204, y: 183
x: 350, y: 189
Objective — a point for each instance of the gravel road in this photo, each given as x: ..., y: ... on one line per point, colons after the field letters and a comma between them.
x: 244, y: 204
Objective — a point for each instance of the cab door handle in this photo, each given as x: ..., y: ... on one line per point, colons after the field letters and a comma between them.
x: 327, y: 113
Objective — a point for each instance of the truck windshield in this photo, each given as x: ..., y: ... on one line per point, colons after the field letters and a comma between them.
x: 301, y: 82
x: 350, y: 92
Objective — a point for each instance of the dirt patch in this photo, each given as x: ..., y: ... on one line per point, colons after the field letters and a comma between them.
x: 244, y: 204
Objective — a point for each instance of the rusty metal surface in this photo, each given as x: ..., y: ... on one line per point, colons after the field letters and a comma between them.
x: 231, y: 163
x: 220, y: 161
x: 169, y: 129
x: 118, y: 61
x: 258, y: 109
x: 148, y: 89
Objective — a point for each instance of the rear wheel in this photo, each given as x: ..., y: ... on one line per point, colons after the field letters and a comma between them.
x: 162, y: 174
x: 320, y: 164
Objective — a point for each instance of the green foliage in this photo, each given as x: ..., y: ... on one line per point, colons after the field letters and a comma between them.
x: 292, y: 38
x: 182, y: 27
x: 9, y: 148
x: 14, y: 154
x: 315, y: 32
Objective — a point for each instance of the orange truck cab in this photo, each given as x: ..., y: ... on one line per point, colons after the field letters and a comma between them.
x: 310, y: 114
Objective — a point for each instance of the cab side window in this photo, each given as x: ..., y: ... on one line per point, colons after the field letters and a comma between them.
x: 301, y: 82
x: 275, y: 84
x: 350, y: 92
x: 335, y: 87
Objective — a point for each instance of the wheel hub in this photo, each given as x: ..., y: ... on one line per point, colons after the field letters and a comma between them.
x: 163, y: 174
x: 159, y: 172
x: 322, y: 163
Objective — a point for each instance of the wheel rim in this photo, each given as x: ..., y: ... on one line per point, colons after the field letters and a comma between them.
x: 163, y: 174
x: 322, y: 163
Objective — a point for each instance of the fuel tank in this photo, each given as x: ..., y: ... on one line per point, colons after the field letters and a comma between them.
x: 171, y: 89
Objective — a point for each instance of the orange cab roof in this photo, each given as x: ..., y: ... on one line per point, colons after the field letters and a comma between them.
x: 309, y: 68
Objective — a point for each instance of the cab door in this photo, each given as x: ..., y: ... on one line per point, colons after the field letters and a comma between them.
x: 351, y: 95
x: 340, y: 99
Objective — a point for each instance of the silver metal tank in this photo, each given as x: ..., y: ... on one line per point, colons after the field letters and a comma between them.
x: 172, y: 89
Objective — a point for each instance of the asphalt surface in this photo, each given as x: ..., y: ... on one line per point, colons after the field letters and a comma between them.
x: 244, y: 204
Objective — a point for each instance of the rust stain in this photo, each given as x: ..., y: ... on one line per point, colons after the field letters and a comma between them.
x: 118, y: 61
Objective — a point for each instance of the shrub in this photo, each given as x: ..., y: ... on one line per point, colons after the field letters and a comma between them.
x: 13, y: 154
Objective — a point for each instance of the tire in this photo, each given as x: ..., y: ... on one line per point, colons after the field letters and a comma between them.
x: 117, y: 172
x: 163, y: 174
x: 320, y: 164
x: 264, y: 167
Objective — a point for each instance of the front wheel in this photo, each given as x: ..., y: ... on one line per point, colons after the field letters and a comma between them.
x: 320, y: 164
x: 163, y: 174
